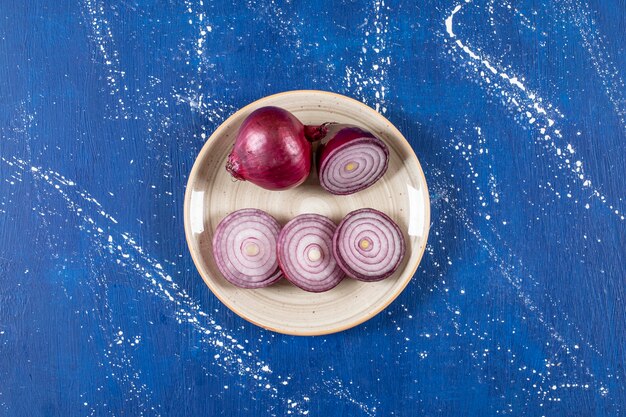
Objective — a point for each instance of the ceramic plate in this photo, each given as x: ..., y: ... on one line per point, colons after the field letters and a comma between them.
x: 401, y: 193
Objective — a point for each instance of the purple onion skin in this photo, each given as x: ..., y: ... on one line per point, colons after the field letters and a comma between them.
x: 273, y: 149
x: 345, y: 134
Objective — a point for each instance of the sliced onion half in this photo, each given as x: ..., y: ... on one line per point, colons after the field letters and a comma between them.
x: 368, y: 245
x: 350, y: 160
x: 305, y: 253
x: 244, y: 248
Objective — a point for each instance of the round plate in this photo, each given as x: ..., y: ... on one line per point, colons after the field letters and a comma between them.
x: 401, y: 193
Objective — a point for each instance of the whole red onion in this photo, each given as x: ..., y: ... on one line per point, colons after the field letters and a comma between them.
x: 273, y: 149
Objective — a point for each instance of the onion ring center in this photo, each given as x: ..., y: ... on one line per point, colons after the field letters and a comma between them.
x: 351, y: 166
x: 366, y: 244
x: 314, y: 253
x: 252, y: 249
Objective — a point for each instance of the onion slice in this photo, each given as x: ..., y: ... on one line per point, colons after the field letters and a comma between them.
x: 350, y: 159
x: 244, y: 248
x: 305, y: 253
x: 368, y: 245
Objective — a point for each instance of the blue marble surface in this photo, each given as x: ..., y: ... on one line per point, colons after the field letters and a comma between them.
x: 517, y: 111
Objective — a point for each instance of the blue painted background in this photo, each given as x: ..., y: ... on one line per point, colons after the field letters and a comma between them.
x: 517, y: 111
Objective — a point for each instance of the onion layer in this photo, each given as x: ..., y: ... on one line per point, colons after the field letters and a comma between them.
x: 305, y: 253
x: 368, y: 245
x: 244, y: 248
x: 351, y: 160
x: 273, y: 149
